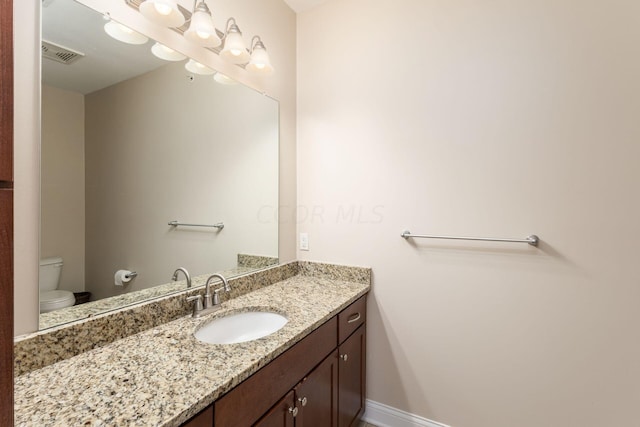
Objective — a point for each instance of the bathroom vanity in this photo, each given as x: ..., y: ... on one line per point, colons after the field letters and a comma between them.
x: 309, y: 373
x: 302, y: 384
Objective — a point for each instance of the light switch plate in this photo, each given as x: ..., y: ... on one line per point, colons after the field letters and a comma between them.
x: 304, y: 242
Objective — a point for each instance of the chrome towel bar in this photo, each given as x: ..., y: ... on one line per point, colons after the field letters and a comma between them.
x: 533, y: 240
x: 174, y: 223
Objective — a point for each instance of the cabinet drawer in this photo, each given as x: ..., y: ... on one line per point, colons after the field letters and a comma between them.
x: 351, y: 318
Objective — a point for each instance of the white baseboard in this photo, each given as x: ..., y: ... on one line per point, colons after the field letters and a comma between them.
x: 382, y: 415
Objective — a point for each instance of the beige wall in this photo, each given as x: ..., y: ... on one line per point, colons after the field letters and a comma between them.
x: 272, y: 19
x: 495, y: 118
x: 160, y: 148
x: 62, y: 199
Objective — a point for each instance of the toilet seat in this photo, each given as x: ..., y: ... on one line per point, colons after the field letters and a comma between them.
x: 55, y: 300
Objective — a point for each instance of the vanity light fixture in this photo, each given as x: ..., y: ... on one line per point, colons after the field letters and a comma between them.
x: 259, y: 63
x: 197, y: 26
x: 124, y: 34
x: 201, y: 29
x: 234, y: 49
x: 198, y: 68
x: 166, y: 53
x: 162, y: 12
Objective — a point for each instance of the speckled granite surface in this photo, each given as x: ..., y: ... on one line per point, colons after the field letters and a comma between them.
x: 256, y: 261
x: 163, y: 376
x: 52, y: 345
x: 93, y: 308
x: 334, y: 271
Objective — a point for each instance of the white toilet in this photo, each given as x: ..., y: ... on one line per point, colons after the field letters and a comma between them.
x: 51, y: 298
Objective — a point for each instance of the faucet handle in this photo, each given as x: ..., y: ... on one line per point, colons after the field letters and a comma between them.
x: 216, y: 296
x: 197, y: 306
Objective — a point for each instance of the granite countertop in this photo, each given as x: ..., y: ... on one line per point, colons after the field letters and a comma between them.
x: 164, y: 376
x: 70, y: 314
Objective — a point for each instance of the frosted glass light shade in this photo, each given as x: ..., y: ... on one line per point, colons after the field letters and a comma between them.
x: 224, y: 79
x: 260, y: 63
x: 162, y: 12
x: 201, y: 29
x: 198, y: 68
x: 124, y: 34
x: 166, y: 53
x: 235, y: 50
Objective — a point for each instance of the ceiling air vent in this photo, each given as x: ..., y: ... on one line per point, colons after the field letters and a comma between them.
x: 59, y: 53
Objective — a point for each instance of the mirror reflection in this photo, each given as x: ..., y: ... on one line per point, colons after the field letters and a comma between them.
x: 130, y: 144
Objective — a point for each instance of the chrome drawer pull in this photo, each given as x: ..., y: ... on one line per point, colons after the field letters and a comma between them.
x: 354, y: 317
x: 294, y: 411
x: 303, y: 401
x: 344, y: 357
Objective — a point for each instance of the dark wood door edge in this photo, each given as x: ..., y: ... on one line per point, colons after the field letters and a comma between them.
x: 6, y: 213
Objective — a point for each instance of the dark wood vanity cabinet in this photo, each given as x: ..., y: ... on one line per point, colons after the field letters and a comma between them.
x: 281, y: 415
x: 319, y: 382
x: 352, y: 362
x: 351, y: 378
x: 313, y: 402
x: 203, y: 419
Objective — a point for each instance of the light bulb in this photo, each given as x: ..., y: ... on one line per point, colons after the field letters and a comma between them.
x: 234, y: 49
x: 260, y: 63
x: 201, y: 29
x: 162, y: 12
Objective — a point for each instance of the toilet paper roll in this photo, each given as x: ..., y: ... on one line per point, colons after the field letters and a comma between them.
x: 120, y: 278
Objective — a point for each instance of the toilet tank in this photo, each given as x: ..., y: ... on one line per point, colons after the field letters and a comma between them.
x: 50, y: 269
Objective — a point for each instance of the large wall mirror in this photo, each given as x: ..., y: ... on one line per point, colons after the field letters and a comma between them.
x: 131, y: 142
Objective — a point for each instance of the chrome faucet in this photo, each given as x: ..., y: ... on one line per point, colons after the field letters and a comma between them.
x: 186, y: 274
x: 216, y: 298
x: 210, y: 305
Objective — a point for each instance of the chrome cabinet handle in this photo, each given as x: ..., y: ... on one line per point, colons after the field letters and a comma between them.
x: 303, y: 401
x: 293, y: 411
x: 354, y: 317
x: 344, y: 357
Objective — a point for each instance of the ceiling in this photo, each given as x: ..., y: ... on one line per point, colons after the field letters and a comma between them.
x: 302, y: 5
x: 79, y: 28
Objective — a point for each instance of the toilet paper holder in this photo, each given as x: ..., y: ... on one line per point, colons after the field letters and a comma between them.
x: 123, y: 277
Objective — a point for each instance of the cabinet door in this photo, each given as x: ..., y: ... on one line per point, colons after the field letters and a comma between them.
x: 351, y: 374
x: 317, y: 395
x: 281, y: 415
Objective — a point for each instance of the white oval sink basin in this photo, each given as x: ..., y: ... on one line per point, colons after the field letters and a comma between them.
x: 240, y: 327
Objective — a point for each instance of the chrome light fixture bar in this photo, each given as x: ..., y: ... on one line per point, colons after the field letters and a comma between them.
x: 198, y: 27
